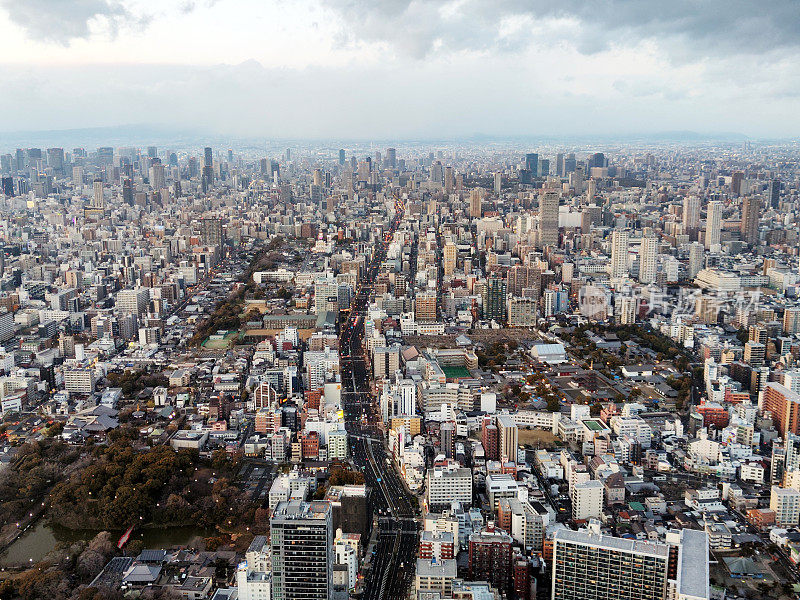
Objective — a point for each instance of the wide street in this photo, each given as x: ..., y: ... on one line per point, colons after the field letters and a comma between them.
x: 393, y: 564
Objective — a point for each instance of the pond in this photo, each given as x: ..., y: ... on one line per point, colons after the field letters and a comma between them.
x: 43, y: 538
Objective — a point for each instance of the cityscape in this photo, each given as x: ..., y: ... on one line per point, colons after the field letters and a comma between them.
x: 365, y: 303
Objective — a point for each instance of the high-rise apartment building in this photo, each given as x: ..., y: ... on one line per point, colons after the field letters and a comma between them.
x: 784, y: 406
x: 548, y: 219
x: 508, y: 441
x: 588, y: 565
x: 475, y: 203
x: 751, y: 207
x: 691, y: 214
x: 494, y: 299
x: 619, y: 254
x: 713, y: 223
x: 211, y: 232
x: 791, y: 320
x: 696, y: 255
x: 648, y: 253
x: 301, y: 537
x: 449, y: 255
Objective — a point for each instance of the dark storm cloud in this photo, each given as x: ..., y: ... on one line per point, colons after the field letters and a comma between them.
x: 686, y: 28
x: 63, y: 20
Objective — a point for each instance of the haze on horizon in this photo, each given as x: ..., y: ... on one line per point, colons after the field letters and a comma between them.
x: 402, y: 68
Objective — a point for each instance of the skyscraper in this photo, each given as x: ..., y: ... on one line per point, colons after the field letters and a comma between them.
x: 494, y: 299
x: 127, y: 191
x: 713, y: 223
x: 532, y: 163
x: 341, y: 156
x: 773, y: 193
x: 301, y: 537
x: 391, y: 158
x: 619, y: 254
x: 751, y: 207
x: 548, y: 219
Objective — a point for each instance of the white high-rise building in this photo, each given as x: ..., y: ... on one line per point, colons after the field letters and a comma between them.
x: 691, y: 213
x: 713, y: 223
x: 695, y: 259
x: 648, y: 253
x: 619, y: 254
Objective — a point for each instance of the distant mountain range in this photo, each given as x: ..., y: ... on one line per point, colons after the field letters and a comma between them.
x: 165, y: 136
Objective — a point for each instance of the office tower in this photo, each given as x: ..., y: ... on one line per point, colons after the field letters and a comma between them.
x: 208, y: 169
x: 498, y: 182
x: 696, y: 254
x: 588, y: 565
x: 494, y: 299
x: 569, y: 164
x: 450, y: 255
x: 751, y: 207
x: 127, y: 191
x: 475, y: 201
x: 713, y: 223
x: 152, y: 151
x: 391, y: 158
x: 301, y: 538
x: 532, y: 163
x: 548, y: 219
x: 560, y: 164
x: 648, y: 253
x: 158, y: 180
x: 791, y: 320
x: 105, y: 156
x: 7, y: 186
x: 211, y: 232
x: 784, y: 406
x: 736, y: 182
x: 341, y: 156
x: 691, y: 215
x: 449, y: 182
x: 55, y: 160
x: 98, y: 200
x: 773, y: 193
x: 437, y: 172
x: 619, y: 254
x: 544, y: 167
x: 597, y: 159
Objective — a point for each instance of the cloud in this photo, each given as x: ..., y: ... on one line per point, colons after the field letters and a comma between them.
x: 60, y: 21
x: 686, y: 29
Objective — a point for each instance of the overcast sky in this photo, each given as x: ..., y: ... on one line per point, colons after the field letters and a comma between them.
x: 403, y: 69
